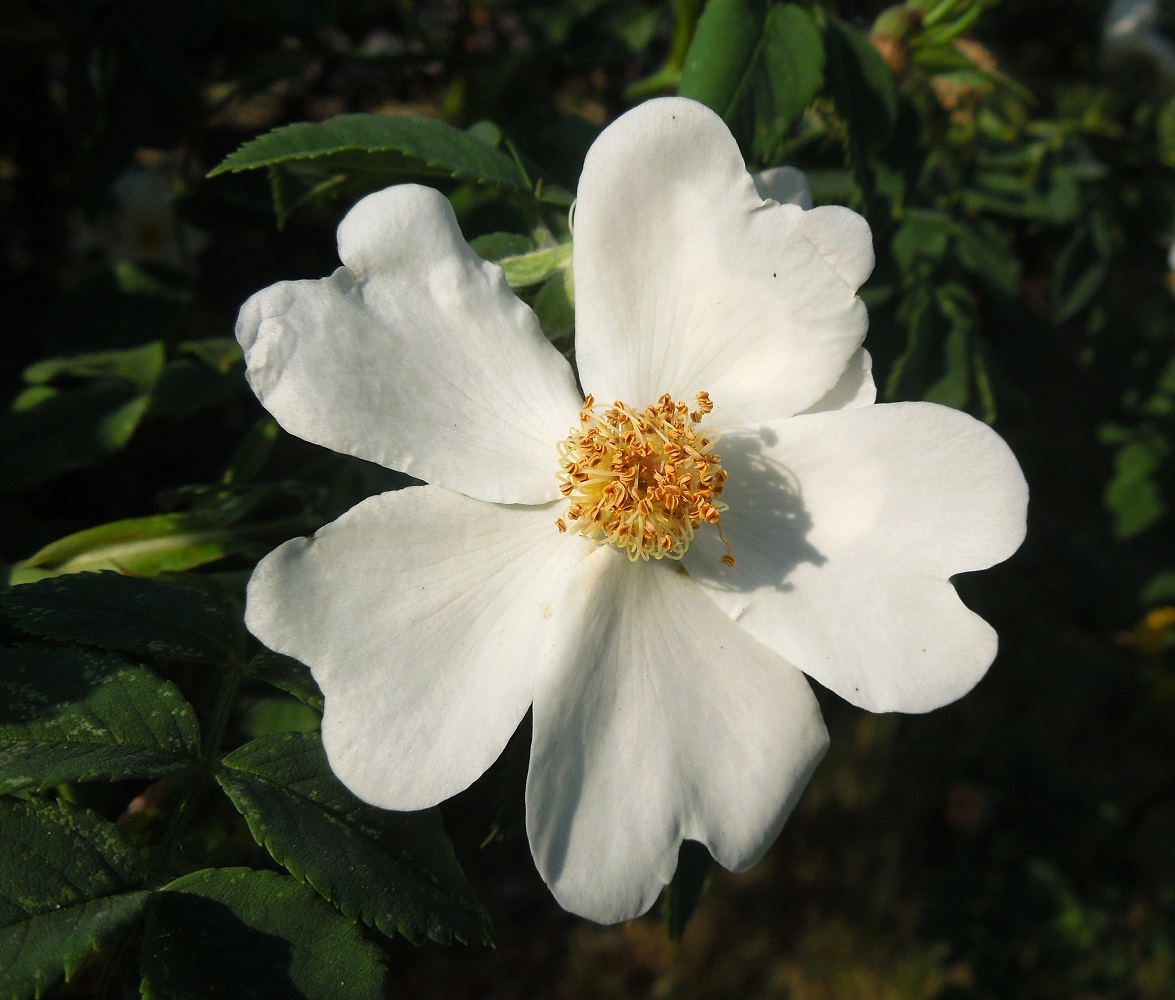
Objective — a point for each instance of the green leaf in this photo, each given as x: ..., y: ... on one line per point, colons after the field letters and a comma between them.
x: 1165, y: 132
x: 495, y: 246
x: 535, y: 267
x: 1081, y: 267
x: 864, y: 92
x: 986, y: 252
x: 953, y: 388
x: 395, y: 871
x: 278, y: 713
x: 1132, y: 495
x: 68, y: 882
x: 921, y: 240
x: 408, y: 146
x: 48, y: 432
x: 254, y: 935
x: 759, y: 69
x: 78, y: 715
x: 723, y: 47
x: 286, y: 674
x: 554, y: 305
x: 147, y: 546
x: 221, y: 354
x: 139, y: 366
x: 147, y: 617
x: 186, y: 387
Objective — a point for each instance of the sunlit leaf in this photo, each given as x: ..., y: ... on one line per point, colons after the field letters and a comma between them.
x: 408, y: 145
x: 146, y: 546
x: 757, y: 67
x: 535, y: 267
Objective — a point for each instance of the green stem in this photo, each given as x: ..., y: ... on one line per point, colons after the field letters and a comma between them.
x: 669, y: 76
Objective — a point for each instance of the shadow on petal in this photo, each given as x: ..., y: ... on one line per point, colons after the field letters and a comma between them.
x: 767, y: 524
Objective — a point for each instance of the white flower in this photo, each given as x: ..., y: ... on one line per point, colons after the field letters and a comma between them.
x: 667, y: 696
x: 144, y: 226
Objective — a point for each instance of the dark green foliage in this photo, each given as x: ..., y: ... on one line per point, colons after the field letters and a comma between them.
x: 145, y: 617
x: 69, y: 881
x: 235, y: 932
x: 395, y: 871
x: 77, y: 715
x: 862, y: 88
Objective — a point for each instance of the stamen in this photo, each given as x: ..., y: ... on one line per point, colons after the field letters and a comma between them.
x: 644, y: 481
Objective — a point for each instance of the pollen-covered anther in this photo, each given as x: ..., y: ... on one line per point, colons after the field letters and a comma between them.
x: 643, y: 480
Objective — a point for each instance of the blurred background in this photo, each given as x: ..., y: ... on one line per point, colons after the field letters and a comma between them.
x: 1018, y: 175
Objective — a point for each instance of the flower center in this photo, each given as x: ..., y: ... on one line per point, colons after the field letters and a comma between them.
x: 644, y: 481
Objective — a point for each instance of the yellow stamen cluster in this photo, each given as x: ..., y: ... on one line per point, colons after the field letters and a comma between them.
x: 642, y: 481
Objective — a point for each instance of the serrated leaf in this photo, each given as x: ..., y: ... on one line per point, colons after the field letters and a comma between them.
x: 395, y: 871
x: 287, y: 674
x: 78, y: 715
x: 69, y: 882
x: 758, y: 68
x: 409, y: 145
x: 254, y: 935
x: 147, y: 617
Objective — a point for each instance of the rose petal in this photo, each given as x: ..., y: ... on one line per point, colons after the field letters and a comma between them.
x: 423, y: 616
x: 416, y: 355
x: 670, y: 724
x: 786, y: 185
x: 855, y: 387
x: 846, y: 527
x: 686, y: 280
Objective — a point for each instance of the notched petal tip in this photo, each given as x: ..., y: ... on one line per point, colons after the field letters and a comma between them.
x: 686, y: 279
x: 377, y: 360
x: 843, y: 240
